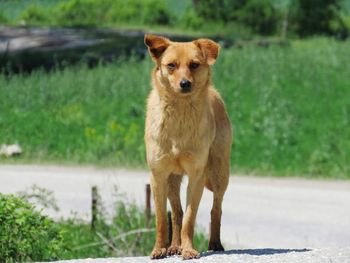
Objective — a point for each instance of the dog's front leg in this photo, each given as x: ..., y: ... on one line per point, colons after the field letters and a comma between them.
x: 159, y: 184
x: 194, y: 195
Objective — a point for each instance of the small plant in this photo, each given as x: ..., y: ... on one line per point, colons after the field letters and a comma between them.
x: 25, y: 234
x: 40, y: 196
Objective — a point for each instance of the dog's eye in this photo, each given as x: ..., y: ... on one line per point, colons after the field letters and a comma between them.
x: 194, y: 65
x: 171, y: 66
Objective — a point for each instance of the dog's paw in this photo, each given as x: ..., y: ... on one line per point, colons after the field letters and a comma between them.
x: 189, y: 253
x: 158, y: 253
x: 174, y: 250
x: 215, y: 246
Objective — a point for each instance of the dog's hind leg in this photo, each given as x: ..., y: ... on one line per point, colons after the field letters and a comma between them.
x: 215, y: 224
x: 174, y: 183
x: 217, y: 174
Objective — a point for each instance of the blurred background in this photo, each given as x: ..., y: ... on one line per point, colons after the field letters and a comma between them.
x: 75, y: 74
x: 69, y: 82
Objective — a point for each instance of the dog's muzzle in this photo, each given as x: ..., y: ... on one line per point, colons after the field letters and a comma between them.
x: 185, y: 85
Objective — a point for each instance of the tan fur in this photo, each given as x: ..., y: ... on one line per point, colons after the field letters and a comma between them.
x: 185, y: 133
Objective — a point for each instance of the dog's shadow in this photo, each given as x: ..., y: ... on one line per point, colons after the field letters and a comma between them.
x: 255, y: 252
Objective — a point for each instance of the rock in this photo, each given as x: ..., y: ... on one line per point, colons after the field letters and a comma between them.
x: 10, y: 150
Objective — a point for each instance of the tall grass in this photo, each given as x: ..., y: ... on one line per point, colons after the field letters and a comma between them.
x: 289, y: 106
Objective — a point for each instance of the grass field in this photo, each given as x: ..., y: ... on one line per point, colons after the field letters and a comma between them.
x: 289, y: 106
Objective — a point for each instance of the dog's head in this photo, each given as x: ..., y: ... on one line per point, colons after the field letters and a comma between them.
x: 182, y: 67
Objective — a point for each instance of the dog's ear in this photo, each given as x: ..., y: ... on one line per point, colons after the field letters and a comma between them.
x: 156, y: 45
x: 209, y: 48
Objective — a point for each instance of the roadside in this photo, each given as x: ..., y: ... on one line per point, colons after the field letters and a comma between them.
x: 257, y: 212
x: 246, y: 256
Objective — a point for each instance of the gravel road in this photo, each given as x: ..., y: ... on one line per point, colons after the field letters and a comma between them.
x: 245, y: 256
x: 257, y: 212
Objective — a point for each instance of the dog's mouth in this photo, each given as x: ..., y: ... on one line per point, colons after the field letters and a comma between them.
x: 187, y: 90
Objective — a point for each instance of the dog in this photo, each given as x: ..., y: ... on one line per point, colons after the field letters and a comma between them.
x: 187, y: 132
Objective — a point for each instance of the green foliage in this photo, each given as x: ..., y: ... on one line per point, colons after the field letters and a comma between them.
x: 102, y: 12
x: 3, y: 18
x: 259, y: 16
x: 218, y: 10
x: 25, y: 234
x: 13, y: 9
x: 81, y: 12
x: 289, y: 107
x: 227, y: 18
x: 312, y: 17
x: 36, y: 15
x: 191, y: 19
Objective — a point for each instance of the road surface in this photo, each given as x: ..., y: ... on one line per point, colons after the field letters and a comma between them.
x: 257, y: 212
x: 340, y: 255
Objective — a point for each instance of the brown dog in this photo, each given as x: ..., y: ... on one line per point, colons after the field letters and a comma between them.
x: 187, y: 132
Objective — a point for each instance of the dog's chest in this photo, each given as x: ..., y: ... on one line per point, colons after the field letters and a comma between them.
x: 184, y: 137
x: 179, y: 136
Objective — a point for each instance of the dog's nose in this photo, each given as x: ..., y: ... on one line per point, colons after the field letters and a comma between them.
x: 185, y: 85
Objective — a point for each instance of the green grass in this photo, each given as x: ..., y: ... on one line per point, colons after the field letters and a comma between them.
x: 289, y: 106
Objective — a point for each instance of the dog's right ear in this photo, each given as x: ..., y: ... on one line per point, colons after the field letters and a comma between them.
x: 156, y: 45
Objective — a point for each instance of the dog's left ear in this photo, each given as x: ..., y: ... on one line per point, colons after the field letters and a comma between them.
x: 209, y: 48
x: 156, y: 45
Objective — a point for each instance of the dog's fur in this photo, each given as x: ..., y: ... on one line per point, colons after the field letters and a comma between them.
x: 187, y: 132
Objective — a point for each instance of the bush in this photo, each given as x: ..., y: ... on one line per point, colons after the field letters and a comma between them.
x: 218, y: 10
x: 191, y: 19
x: 146, y: 11
x: 258, y: 15
x: 156, y: 13
x: 312, y: 17
x: 97, y: 12
x: 25, y: 234
x: 82, y: 12
x: 3, y: 18
x: 35, y: 15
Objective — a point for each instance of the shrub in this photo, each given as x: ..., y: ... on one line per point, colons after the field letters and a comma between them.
x: 97, y: 12
x: 218, y: 10
x: 258, y: 15
x: 312, y: 17
x: 35, y: 15
x: 145, y: 11
x: 3, y: 18
x: 82, y: 12
x: 25, y: 234
x: 155, y: 12
x: 191, y: 19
